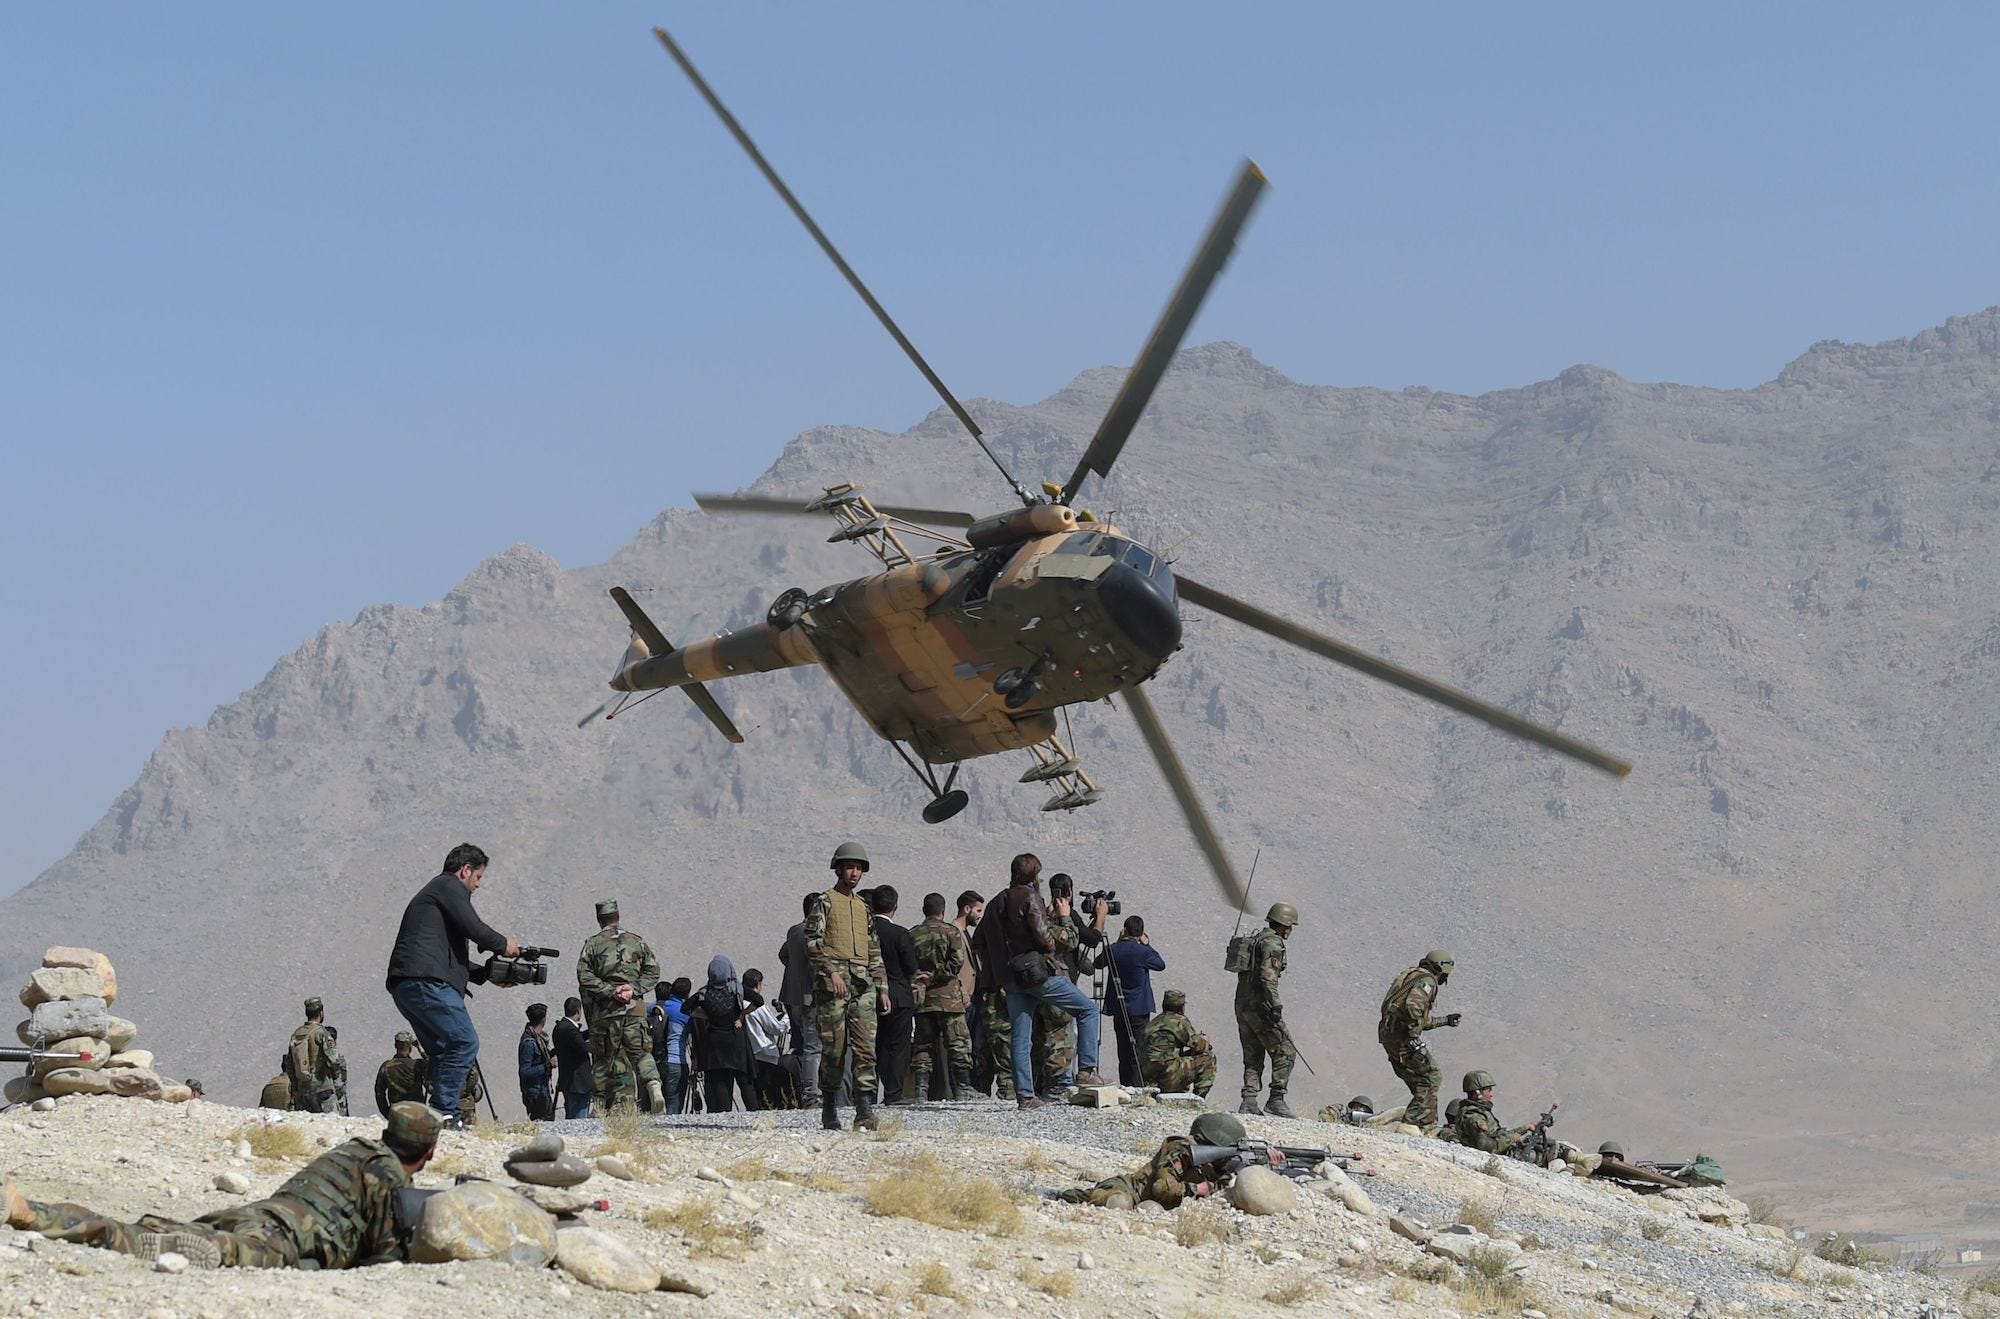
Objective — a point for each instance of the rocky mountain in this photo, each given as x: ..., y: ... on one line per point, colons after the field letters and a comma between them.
x: 1772, y: 942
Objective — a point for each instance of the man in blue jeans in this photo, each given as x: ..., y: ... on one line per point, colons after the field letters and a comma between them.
x: 1020, y: 937
x: 429, y: 968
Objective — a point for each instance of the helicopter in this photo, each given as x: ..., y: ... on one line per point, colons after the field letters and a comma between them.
x: 977, y: 633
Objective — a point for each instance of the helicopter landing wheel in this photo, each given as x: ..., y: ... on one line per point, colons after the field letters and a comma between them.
x: 945, y: 806
x: 788, y: 609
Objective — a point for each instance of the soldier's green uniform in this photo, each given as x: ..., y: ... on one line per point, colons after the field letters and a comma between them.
x: 1260, y: 1014
x: 277, y: 1093
x: 1406, y: 1015
x: 338, y: 1212
x: 1173, y: 1055
x: 944, y: 1039
x: 402, y: 1078
x: 621, y: 1048
x: 1477, y: 1128
x: 999, y: 1041
x: 1170, y: 1176
x: 308, y: 1067
x: 840, y: 941
x: 1054, y: 1049
x: 470, y: 1094
x: 336, y: 1063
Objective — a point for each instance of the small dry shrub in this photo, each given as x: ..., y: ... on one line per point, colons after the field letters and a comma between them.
x: 1402, y: 1289
x: 513, y: 1132
x: 1036, y: 1159
x: 1054, y: 1282
x: 277, y: 1142
x: 1493, y: 1167
x: 934, y: 1279
x: 1767, y: 1212
x: 631, y: 1137
x: 1790, y: 1263
x: 1481, y: 1215
x: 925, y: 1190
x: 1654, y: 1228
x: 704, y: 1230
x: 746, y: 1170
x: 1295, y: 1290
x: 1197, y: 1224
x: 985, y: 1259
x: 887, y: 1127
x: 818, y: 1181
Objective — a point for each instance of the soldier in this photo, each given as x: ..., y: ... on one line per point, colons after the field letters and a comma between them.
x: 1476, y: 1126
x: 1260, y: 1017
x: 849, y: 987
x: 472, y: 1092
x: 1174, y: 1055
x: 1172, y: 1175
x: 613, y: 971
x: 307, y: 1066
x: 403, y: 1078
x: 277, y: 1092
x: 944, y: 1041
x: 1406, y: 1015
x: 337, y: 1213
x: 336, y: 1063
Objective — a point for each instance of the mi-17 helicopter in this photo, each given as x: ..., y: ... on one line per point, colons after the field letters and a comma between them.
x: 969, y: 644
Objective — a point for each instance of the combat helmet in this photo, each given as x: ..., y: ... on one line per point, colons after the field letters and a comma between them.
x: 1361, y: 1102
x: 1611, y: 1149
x: 1282, y: 913
x: 1474, y: 1082
x: 850, y: 852
x: 1218, y: 1129
x: 1439, y: 961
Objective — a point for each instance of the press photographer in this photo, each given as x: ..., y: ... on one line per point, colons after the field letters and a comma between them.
x: 430, y: 967
x: 1128, y: 993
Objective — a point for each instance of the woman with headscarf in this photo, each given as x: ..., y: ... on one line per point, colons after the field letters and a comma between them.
x: 722, y: 1044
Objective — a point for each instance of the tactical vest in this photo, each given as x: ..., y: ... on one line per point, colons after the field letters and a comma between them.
x: 847, y: 927
x: 1398, y: 995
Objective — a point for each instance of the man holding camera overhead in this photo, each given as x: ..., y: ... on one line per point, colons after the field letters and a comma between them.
x: 429, y: 968
x: 613, y: 969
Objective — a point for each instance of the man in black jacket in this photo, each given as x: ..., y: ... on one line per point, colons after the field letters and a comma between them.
x: 796, y: 993
x: 573, y: 1069
x: 895, y: 1032
x: 429, y: 968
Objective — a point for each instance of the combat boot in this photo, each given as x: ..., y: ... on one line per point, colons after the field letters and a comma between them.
x: 1277, y: 1107
x: 829, y: 1110
x: 194, y: 1247
x: 656, y: 1097
x: 864, y: 1110
x: 920, y: 1088
x: 961, y: 1085
x: 1249, y: 1105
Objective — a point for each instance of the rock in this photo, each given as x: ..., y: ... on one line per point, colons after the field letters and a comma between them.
x: 25, y: 1090
x: 89, y: 959
x: 563, y: 1170
x: 133, y: 1082
x: 1710, y: 1204
x: 1261, y: 1191
x: 603, y: 1261
x: 58, y: 982
x: 613, y: 1166
x: 1767, y: 1232
x: 673, y: 1282
x: 65, y: 1019
x: 558, y: 1201
x: 173, y: 1092
x: 169, y: 1262
x: 120, y: 1034
x: 1084, y: 1262
x: 130, y: 1058
x: 743, y: 1200
x: 1352, y: 1196
x: 1097, y: 1096
x: 480, y: 1220
x: 241, y: 1149
x: 542, y: 1149
x: 1408, y: 1230
x: 235, y: 1183
x: 1460, y: 1248
x: 43, y: 1105
x: 76, y: 1081
x: 710, y: 1175
x: 99, y: 1052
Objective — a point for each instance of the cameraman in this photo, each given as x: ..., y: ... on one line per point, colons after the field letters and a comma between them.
x: 428, y: 970
x: 1128, y: 1000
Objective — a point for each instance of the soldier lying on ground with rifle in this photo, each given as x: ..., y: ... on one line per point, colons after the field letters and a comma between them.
x: 1478, y: 1129
x: 338, y: 1212
x: 1198, y: 1164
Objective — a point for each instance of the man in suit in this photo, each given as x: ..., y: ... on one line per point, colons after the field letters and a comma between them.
x: 895, y: 1033
x: 573, y: 1070
x: 795, y: 991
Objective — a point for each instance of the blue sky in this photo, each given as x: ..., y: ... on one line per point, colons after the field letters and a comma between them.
x: 304, y: 309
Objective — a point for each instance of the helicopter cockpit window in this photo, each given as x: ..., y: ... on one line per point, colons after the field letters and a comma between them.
x: 1129, y: 552
x: 1080, y: 542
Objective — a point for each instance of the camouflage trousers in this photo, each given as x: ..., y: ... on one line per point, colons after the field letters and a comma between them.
x: 1055, y: 1046
x: 999, y: 1041
x: 621, y: 1049
x: 1195, y: 1075
x: 944, y: 1033
x: 844, y: 1023
x: 1414, y: 1067
x: 1260, y: 1036
x: 247, y: 1237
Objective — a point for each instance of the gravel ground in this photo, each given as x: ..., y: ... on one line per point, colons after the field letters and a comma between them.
x: 788, y: 1229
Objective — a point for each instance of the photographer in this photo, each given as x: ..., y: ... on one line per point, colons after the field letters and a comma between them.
x: 1128, y: 999
x: 429, y: 968
x: 1055, y: 1043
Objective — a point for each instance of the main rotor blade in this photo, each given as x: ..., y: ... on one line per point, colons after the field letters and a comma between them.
x: 1205, y: 838
x: 1506, y: 721
x: 840, y: 263
x: 713, y: 503
x: 1158, y: 353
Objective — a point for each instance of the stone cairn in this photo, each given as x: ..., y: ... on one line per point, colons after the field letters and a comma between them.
x: 69, y: 999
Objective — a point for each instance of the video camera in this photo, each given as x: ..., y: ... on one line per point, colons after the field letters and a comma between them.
x: 526, y: 969
x: 1087, y: 903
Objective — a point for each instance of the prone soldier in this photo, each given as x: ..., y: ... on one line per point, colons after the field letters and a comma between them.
x: 1172, y: 1175
x: 1260, y: 1015
x: 850, y: 987
x: 944, y: 1040
x: 307, y: 1066
x: 403, y: 1078
x: 1174, y: 1055
x: 1406, y: 1015
x: 613, y: 971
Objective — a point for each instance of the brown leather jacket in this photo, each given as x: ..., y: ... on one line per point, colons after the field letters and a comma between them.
x: 1022, y: 927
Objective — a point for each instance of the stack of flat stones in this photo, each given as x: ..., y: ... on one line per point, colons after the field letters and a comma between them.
x: 69, y: 1000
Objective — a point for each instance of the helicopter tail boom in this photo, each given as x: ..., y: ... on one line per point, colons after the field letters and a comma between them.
x: 651, y: 662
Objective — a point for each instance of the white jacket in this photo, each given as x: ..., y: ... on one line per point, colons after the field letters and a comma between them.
x: 770, y: 1034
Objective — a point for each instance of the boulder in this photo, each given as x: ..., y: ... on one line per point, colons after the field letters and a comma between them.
x: 1261, y: 1191
x: 76, y: 1081
x: 563, y: 1170
x: 90, y: 960
x: 120, y: 1034
x: 24, y: 1090
x: 133, y: 1082
x: 1711, y: 1204
x: 130, y: 1058
x: 539, y: 1150
x: 55, y: 982
x: 173, y: 1092
x: 480, y: 1220
x: 1767, y: 1231
x: 233, y: 1183
x: 613, y: 1166
x: 99, y: 1052
x: 1408, y: 1229
x: 65, y: 1019
x: 602, y: 1260
x: 563, y: 1204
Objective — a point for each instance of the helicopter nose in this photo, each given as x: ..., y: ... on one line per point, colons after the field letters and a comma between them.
x: 1143, y: 608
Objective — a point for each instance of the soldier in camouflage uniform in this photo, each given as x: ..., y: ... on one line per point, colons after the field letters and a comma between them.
x: 403, y: 1078
x: 1475, y: 1125
x: 472, y: 1092
x: 850, y: 987
x: 336, y: 1063
x: 614, y: 970
x: 1260, y: 1016
x: 307, y: 1065
x: 944, y: 1039
x: 1055, y: 1028
x: 338, y: 1212
x: 1172, y: 1175
x: 999, y: 1041
x: 1174, y: 1055
x: 277, y: 1092
x: 1406, y: 1015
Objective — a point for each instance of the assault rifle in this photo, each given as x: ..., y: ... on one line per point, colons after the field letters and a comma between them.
x: 1537, y: 1146
x: 1295, y: 1161
x: 10, y: 1053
